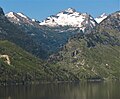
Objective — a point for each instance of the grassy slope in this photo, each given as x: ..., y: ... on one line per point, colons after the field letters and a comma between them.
x: 24, y: 67
x: 100, y: 61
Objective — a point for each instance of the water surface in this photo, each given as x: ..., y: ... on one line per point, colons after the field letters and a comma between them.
x: 88, y: 90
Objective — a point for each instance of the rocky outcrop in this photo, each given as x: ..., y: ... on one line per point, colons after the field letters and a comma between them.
x: 1, y: 11
x: 5, y: 58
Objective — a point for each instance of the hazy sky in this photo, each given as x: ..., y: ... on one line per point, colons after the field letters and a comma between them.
x: 40, y: 9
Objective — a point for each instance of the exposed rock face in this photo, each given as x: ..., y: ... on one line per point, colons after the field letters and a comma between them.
x: 112, y: 22
x: 6, y: 59
x: 1, y: 11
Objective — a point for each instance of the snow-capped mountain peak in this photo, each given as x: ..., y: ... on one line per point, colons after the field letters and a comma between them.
x: 70, y: 10
x: 16, y: 15
x: 101, y: 17
x: 70, y: 17
x: 20, y: 18
x: 12, y: 15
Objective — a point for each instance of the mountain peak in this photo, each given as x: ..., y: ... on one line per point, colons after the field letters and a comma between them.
x: 16, y: 15
x: 1, y: 11
x: 101, y: 18
x: 19, y: 18
x: 70, y: 17
x: 10, y: 14
x: 102, y: 15
x: 70, y: 10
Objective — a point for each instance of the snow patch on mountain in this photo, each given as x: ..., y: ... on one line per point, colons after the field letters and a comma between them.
x: 101, y: 18
x: 22, y: 15
x: 70, y: 17
x: 21, y: 19
x: 33, y: 20
x: 12, y: 15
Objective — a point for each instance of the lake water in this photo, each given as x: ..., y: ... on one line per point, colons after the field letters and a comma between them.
x: 88, y: 90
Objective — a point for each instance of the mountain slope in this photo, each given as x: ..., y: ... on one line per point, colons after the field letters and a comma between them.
x: 25, y: 68
x: 111, y: 24
x: 9, y: 31
x: 95, y: 55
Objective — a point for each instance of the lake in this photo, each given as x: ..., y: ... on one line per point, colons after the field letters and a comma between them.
x: 83, y: 90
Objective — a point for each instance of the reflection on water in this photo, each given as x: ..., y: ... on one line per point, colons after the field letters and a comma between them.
x: 89, y: 90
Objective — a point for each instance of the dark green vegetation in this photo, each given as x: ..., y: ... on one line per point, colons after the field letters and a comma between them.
x: 25, y: 68
x: 95, y: 55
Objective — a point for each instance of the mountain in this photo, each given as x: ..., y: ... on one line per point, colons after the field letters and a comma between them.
x: 93, y: 56
x: 101, y: 18
x: 11, y: 32
x: 52, y: 38
x: 111, y: 24
x: 70, y: 17
x: 76, y: 51
x: 1, y: 12
x: 22, y: 67
x: 20, y: 18
x: 18, y: 66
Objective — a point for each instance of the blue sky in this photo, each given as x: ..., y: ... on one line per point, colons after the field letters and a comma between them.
x: 40, y: 9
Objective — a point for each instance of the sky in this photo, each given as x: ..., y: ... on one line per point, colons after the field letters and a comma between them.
x: 40, y: 9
